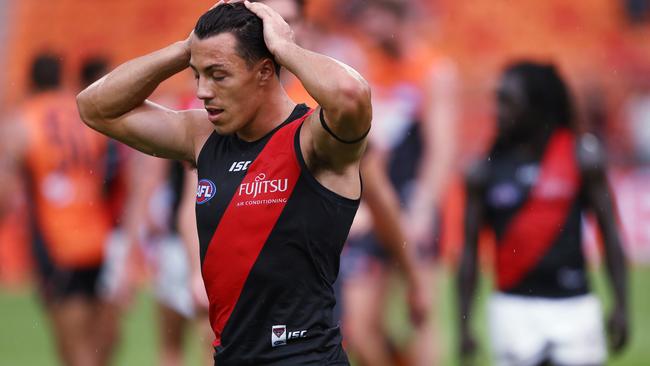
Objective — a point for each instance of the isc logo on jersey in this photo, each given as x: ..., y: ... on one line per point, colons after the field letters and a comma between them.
x: 239, y: 166
x: 205, y: 191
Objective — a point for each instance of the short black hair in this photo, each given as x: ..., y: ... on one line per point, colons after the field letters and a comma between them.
x: 46, y: 72
x: 546, y: 92
x: 243, y: 24
x: 92, y: 69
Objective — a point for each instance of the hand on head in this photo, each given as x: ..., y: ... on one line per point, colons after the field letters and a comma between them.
x: 277, y: 33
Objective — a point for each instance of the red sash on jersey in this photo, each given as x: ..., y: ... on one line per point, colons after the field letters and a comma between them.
x: 244, y: 228
x: 538, y: 223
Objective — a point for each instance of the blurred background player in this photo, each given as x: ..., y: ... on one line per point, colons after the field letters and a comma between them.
x: 65, y: 166
x: 538, y: 179
x: 151, y: 234
x: 413, y: 142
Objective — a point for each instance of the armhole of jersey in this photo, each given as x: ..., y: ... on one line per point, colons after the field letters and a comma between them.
x: 212, y: 136
x: 313, y: 182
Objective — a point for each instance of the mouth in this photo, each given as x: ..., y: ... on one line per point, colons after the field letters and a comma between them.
x: 213, y: 113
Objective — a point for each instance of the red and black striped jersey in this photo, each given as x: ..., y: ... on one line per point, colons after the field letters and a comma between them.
x: 271, y: 238
x: 534, y: 206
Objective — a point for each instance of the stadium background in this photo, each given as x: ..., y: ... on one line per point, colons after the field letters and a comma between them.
x: 601, y: 46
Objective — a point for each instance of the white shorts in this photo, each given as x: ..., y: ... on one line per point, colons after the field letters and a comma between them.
x: 114, y: 265
x: 527, y: 330
x: 171, y: 266
x: 173, y: 276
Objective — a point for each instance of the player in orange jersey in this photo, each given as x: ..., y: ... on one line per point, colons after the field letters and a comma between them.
x: 64, y: 166
x: 413, y: 139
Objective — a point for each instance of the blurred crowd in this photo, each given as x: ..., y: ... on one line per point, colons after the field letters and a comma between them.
x: 434, y: 67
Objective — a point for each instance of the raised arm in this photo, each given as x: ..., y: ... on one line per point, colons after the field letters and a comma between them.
x: 598, y: 196
x: 117, y: 106
x: 341, y: 92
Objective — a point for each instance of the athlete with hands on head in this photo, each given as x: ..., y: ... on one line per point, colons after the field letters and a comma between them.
x: 270, y: 233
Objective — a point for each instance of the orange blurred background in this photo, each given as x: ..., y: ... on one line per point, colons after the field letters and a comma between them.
x: 593, y: 42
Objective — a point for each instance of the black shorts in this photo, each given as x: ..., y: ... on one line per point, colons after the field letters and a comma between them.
x: 58, y: 283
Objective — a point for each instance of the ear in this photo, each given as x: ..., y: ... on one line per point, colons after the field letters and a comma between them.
x: 266, y: 71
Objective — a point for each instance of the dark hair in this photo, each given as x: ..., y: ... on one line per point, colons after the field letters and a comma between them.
x: 545, y: 91
x: 241, y: 23
x: 92, y: 69
x: 46, y: 72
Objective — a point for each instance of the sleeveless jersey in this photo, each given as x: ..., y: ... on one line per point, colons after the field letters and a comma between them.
x: 271, y: 238
x: 534, y: 207
x: 66, y: 164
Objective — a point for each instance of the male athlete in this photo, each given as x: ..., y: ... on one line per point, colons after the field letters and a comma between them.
x: 278, y: 183
x: 539, y: 178
x: 63, y: 168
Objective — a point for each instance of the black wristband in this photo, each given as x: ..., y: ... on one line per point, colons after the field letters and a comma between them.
x: 350, y: 142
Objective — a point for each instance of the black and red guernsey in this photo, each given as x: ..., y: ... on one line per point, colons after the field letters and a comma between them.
x: 271, y: 237
x: 534, y: 206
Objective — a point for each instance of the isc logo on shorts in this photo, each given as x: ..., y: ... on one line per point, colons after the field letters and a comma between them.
x: 205, y: 191
x: 279, y: 335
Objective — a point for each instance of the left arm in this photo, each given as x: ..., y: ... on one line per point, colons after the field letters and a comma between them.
x: 342, y: 93
x: 598, y: 195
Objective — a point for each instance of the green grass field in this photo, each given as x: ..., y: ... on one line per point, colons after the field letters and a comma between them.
x: 25, y: 336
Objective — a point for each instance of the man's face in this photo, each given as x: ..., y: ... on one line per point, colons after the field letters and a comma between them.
x: 228, y: 86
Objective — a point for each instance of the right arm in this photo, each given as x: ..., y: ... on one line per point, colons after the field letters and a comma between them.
x: 117, y: 106
x: 468, y: 271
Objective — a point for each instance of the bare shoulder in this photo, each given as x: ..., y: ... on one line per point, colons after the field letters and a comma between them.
x: 339, y: 176
x: 324, y: 150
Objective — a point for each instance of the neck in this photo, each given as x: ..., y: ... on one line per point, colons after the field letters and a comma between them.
x: 273, y: 110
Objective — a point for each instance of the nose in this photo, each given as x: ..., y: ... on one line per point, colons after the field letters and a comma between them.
x: 204, y: 90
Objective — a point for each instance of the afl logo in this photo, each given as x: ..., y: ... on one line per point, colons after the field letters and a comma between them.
x: 205, y: 191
